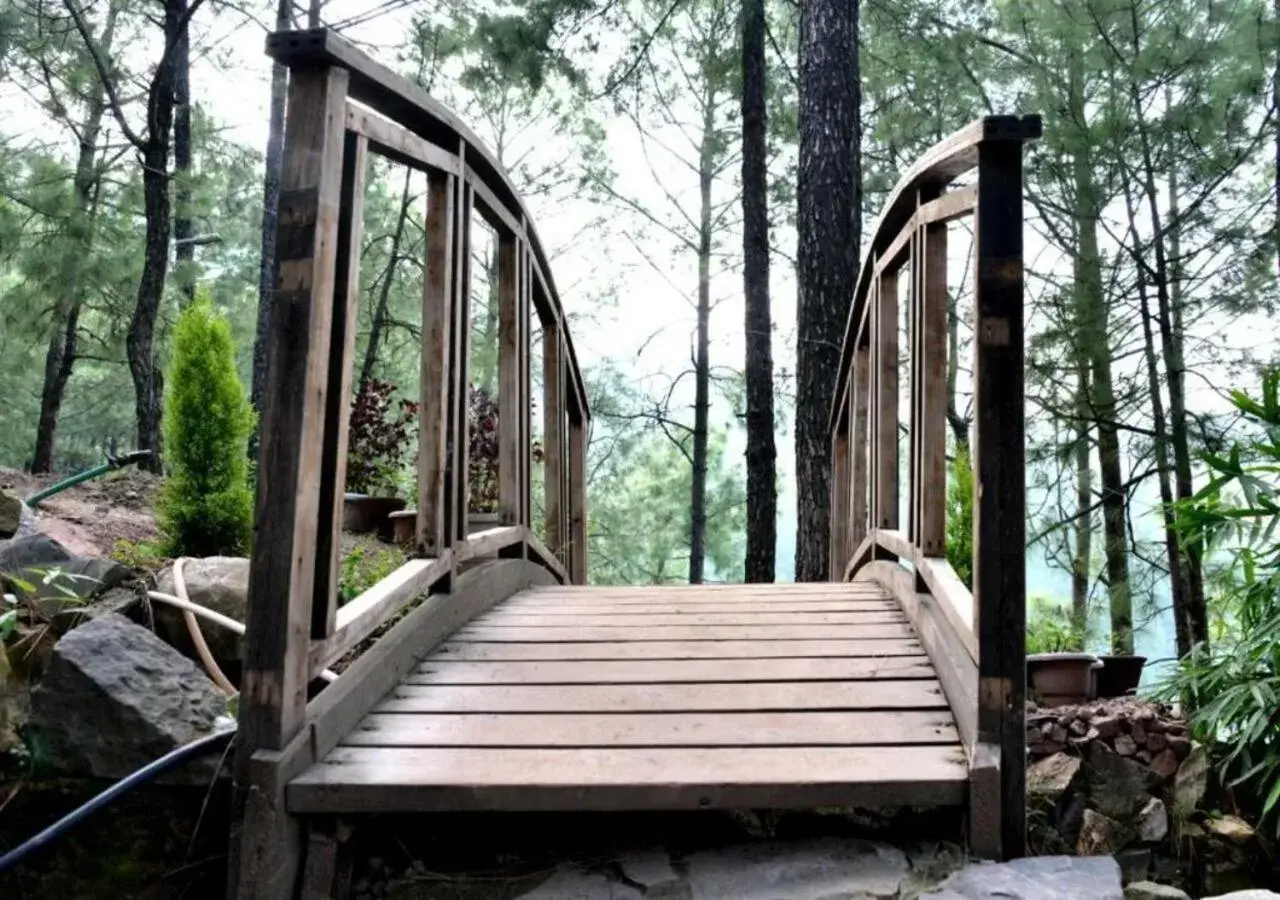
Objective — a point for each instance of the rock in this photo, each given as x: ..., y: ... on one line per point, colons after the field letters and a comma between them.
x: 1125, y: 746
x: 827, y: 867
x: 1233, y: 828
x: 1156, y: 742
x: 1253, y: 894
x: 571, y: 883
x: 1117, y: 786
x: 1108, y: 726
x: 651, y: 871
x: 1181, y: 746
x: 1099, y: 834
x: 1058, y: 734
x: 1149, y: 890
x: 1135, y: 864
x: 220, y: 583
x: 1144, y: 756
x: 1078, y: 727
x: 1165, y: 764
x: 1050, y: 777
x: 1190, y: 782
x: 1153, y: 822
x: 116, y: 697
x: 1138, y: 733
x: 12, y: 511
x: 1035, y: 878
x: 36, y: 550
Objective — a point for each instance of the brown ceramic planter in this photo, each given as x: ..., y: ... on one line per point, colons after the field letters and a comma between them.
x: 404, y: 523
x: 362, y: 514
x: 1062, y: 678
x: 1119, y: 675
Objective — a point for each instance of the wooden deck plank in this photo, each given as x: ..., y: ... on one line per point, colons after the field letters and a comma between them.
x: 656, y: 730
x: 518, y: 634
x: 379, y: 779
x: 445, y: 671
x: 502, y: 617
x: 540, y: 607
x: 623, y: 650
x: 574, y: 594
x: 604, y: 698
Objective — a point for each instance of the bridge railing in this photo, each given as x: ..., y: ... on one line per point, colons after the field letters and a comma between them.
x: 341, y: 107
x: 975, y: 639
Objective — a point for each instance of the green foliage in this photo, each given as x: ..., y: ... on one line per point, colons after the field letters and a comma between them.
x: 960, y: 515
x: 1232, y: 689
x: 205, y: 507
x: 366, y: 565
x: 1051, y: 627
x: 143, y: 555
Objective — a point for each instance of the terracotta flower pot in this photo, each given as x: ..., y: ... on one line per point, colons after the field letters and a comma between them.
x: 1062, y: 678
x: 362, y: 514
x: 1119, y: 675
x: 404, y: 523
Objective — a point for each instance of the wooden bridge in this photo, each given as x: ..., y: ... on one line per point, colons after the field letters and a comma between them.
x: 497, y: 680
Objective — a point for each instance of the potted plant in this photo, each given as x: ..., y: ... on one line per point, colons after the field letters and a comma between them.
x: 482, y: 469
x: 378, y: 436
x: 1058, y: 669
x: 1120, y: 674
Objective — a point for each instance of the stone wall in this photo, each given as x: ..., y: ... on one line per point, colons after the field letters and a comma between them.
x: 1124, y: 777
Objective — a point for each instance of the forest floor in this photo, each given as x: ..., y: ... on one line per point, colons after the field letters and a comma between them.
x: 88, y: 519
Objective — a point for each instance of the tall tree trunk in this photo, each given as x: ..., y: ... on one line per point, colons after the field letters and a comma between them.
x: 762, y: 454
x: 828, y: 212
x: 1082, y: 561
x: 183, y: 231
x: 1094, y: 338
x: 140, y: 341
x: 1275, y: 111
x: 60, y: 356
x: 1170, y: 323
x: 1177, y: 577
x: 702, y: 352
x: 379, y: 323
x: 270, y: 208
x: 959, y: 424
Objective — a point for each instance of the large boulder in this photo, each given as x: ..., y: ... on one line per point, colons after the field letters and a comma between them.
x: 43, y: 570
x: 115, y: 697
x: 15, y: 517
x: 1035, y: 878
x: 220, y: 583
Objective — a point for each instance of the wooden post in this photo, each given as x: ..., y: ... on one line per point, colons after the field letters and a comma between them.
x: 999, y: 526
x: 553, y: 444
x: 839, y: 537
x: 932, y: 443
x: 885, y: 403
x: 283, y: 565
x: 458, y: 490
x: 510, y: 378
x: 578, y: 498
x: 435, y: 384
x: 858, y: 429
x: 526, y: 396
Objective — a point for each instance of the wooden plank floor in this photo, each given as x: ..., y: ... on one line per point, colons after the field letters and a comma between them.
x: 658, y: 698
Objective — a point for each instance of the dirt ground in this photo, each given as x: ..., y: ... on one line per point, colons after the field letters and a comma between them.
x: 90, y: 518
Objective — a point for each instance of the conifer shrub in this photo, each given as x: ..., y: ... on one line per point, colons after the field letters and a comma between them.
x: 205, y: 507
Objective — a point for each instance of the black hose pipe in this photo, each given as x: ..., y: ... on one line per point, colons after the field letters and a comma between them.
x: 207, y: 744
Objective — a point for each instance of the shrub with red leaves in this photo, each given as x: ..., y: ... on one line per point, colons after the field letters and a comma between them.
x: 378, y: 437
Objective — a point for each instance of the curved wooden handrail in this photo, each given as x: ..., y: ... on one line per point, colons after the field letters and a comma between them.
x: 399, y: 99
x: 940, y: 165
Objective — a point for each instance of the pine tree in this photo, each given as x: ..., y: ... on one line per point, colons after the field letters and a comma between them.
x: 205, y: 507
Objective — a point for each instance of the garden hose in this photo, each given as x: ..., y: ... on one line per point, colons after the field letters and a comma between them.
x: 113, y: 462
x: 207, y: 744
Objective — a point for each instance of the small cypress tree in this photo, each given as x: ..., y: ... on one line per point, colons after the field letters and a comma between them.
x: 205, y: 507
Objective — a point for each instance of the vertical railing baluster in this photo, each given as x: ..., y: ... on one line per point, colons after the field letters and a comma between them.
x: 886, y: 401
x: 932, y: 442
x: 552, y: 437
x: 342, y: 344
x: 435, y: 378
x: 510, y: 378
